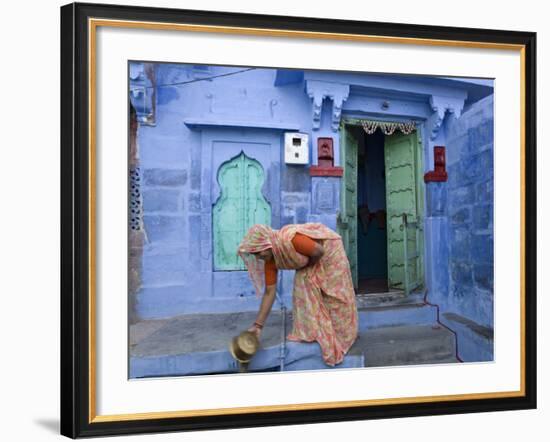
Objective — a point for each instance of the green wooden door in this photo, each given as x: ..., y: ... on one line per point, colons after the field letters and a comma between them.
x: 241, y: 205
x: 402, y: 199
x: 347, y: 218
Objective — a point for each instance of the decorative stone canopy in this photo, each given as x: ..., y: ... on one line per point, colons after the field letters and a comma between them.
x: 387, y: 98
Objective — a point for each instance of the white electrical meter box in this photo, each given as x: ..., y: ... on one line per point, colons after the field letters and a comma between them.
x: 296, y: 148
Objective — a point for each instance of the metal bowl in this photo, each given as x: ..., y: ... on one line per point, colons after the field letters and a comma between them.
x: 244, y: 346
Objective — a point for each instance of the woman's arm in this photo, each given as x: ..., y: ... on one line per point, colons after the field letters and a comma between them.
x: 307, y: 246
x: 265, y: 308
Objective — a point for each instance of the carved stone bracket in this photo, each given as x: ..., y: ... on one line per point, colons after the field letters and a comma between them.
x: 318, y: 91
x: 440, y: 105
x: 316, y: 107
x: 434, y: 122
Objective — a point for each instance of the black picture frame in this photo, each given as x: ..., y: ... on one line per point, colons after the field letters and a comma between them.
x: 77, y: 404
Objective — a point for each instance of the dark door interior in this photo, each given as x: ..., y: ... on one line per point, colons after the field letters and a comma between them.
x: 371, y: 206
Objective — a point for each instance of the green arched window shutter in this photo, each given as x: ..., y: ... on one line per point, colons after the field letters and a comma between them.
x: 240, y: 206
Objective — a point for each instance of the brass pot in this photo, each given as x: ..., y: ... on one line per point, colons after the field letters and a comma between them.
x: 244, y: 346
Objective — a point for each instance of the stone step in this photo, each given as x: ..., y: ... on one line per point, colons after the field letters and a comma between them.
x: 180, y: 346
x: 199, y: 343
x: 388, y: 299
x: 393, y: 309
x: 405, y: 345
x: 406, y: 314
x: 298, y: 356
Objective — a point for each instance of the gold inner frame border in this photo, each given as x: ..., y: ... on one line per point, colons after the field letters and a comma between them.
x: 93, y: 24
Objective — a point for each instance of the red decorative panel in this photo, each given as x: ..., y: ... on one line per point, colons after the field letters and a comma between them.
x: 439, y: 174
x: 326, y: 171
x: 325, y: 152
x: 325, y: 159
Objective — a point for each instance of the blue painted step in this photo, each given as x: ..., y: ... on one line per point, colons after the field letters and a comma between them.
x: 394, y: 309
x: 298, y: 356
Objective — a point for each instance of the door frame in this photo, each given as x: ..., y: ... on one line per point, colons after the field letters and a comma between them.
x: 342, y: 222
x: 419, y: 171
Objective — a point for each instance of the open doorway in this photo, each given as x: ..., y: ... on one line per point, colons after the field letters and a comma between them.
x: 372, y: 251
x: 381, y: 207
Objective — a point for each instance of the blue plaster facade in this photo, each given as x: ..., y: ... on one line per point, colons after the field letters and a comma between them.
x: 460, y: 226
x: 192, y: 119
x: 470, y: 213
x: 470, y: 209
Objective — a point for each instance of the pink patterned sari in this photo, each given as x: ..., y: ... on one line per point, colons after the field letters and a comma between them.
x: 323, y: 298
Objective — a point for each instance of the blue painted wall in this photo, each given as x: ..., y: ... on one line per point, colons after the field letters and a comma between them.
x: 179, y: 159
x: 470, y: 211
x: 466, y: 200
x: 191, y: 124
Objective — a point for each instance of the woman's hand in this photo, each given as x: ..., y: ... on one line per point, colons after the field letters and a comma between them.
x: 256, y: 330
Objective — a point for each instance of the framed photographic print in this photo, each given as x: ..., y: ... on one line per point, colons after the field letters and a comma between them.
x: 272, y: 220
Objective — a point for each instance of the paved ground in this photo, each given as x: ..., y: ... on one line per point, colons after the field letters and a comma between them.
x: 199, y: 333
